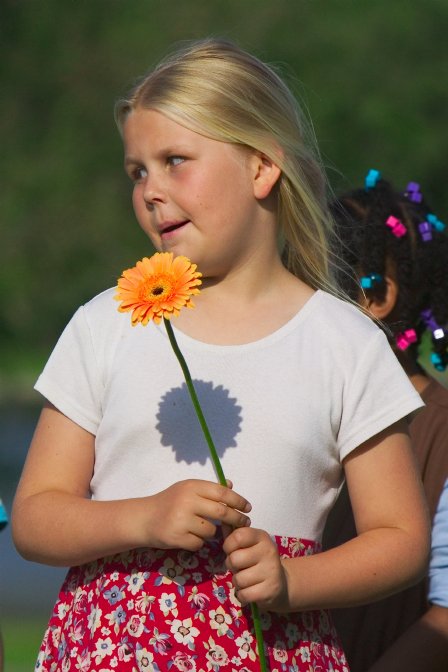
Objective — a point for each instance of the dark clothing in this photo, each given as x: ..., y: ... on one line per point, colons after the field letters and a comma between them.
x: 367, y: 631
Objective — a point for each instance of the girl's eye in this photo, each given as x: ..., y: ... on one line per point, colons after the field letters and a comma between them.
x: 175, y: 160
x: 139, y: 174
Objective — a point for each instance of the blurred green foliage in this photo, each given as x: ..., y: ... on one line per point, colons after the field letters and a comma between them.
x: 372, y: 75
x: 22, y: 639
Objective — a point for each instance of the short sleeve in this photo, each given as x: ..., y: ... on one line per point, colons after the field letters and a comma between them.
x: 438, y: 566
x: 71, y: 380
x: 378, y: 394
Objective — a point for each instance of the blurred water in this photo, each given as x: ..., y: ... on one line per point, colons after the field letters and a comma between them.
x: 26, y: 588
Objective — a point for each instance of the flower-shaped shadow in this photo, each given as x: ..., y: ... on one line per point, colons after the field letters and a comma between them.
x: 179, y: 426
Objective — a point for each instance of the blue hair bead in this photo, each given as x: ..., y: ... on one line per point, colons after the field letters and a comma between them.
x: 437, y: 224
x: 372, y: 178
x: 3, y: 516
x: 367, y: 281
x: 436, y: 361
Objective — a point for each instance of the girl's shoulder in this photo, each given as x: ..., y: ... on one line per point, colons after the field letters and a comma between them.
x: 102, y: 304
x: 98, y: 322
x: 101, y: 312
x: 345, y: 318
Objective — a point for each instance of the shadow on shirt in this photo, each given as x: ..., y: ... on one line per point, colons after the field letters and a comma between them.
x: 179, y: 426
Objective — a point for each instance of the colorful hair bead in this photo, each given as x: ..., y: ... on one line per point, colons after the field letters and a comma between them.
x: 3, y: 516
x: 437, y: 224
x: 413, y: 192
x: 397, y: 226
x: 428, y: 319
x: 425, y: 231
x: 438, y: 332
x: 372, y: 178
x: 367, y: 281
x: 437, y: 362
x: 405, y: 339
x: 431, y: 324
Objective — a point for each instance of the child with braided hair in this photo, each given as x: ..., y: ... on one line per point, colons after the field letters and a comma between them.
x: 397, y: 253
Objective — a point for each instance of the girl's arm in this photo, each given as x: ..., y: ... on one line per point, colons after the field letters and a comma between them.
x: 55, y: 522
x: 389, y: 553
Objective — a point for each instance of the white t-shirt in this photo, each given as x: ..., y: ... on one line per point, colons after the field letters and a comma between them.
x: 283, y: 411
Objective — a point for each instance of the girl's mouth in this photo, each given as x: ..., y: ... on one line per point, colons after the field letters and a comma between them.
x: 173, y: 227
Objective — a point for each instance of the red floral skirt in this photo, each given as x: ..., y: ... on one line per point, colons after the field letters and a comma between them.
x: 154, y: 610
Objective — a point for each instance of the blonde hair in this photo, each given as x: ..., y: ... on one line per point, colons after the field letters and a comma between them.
x: 218, y: 90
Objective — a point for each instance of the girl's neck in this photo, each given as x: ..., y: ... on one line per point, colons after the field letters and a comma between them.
x: 242, y: 309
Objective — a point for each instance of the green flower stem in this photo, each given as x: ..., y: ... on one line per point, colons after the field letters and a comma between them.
x: 196, y: 404
x: 218, y: 469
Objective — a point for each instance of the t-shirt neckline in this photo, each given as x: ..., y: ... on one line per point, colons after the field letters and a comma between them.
x: 280, y: 333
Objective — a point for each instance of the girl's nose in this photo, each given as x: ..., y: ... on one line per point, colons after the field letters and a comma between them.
x: 153, y: 192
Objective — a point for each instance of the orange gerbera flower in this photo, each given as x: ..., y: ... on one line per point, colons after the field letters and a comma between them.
x: 157, y: 287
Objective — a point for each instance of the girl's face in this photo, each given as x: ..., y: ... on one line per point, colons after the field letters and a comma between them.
x: 192, y: 195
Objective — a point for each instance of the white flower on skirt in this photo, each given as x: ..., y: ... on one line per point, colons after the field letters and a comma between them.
x: 94, y: 618
x: 216, y: 656
x: 167, y: 604
x: 184, y: 631
x: 136, y: 625
x: 104, y: 647
x: 279, y: 652
x: 244, y: 646
x: 144, y: 659
x: 219, y: 620
x: 135, y: 581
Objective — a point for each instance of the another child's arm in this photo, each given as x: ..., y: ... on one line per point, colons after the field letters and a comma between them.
x: 424, y: 646
x: 55, y: 522
x: 389, y: 553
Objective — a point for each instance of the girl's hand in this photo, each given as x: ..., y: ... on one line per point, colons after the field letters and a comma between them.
x: 258, y: 573
x: 185, y: 514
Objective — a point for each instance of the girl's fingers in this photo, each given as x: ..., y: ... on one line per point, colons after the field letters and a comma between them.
x: 247, y: 578
x: 221, y: 493
x: 242, y: 538
x: 221, y: 503
x: 202, y: 528
x: 230, y: 516
x: 226, y: 530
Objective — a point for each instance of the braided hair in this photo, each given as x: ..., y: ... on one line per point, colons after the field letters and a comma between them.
x: 383, y: 232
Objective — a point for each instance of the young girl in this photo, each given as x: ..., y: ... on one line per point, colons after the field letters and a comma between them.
x: 298, y: 388
x: 401, y: 277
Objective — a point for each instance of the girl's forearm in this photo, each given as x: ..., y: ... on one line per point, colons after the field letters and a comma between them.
x: 367, y: 568
x: 61, y: 529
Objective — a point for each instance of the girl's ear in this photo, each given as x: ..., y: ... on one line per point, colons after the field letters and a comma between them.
x: 265, y: 174
x: 382, y: 308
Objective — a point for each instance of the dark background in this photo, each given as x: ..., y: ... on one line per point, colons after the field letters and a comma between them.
x: 373, y: 76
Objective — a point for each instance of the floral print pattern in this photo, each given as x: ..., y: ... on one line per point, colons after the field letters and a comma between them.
x: 159, y: 611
